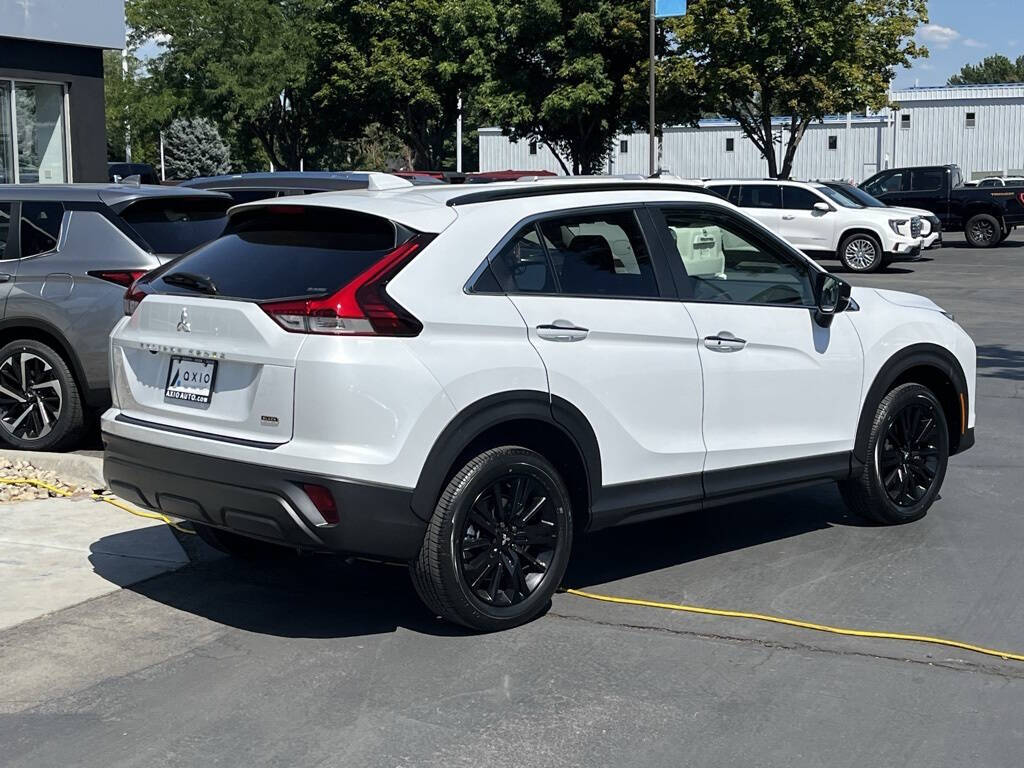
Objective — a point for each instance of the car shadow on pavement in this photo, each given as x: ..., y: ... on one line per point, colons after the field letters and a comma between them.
x: 307, y: 596
x: 320, y: 596
x: 1001, y: 362
x: 631, y: 550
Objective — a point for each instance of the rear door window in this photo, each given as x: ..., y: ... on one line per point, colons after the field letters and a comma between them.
x: 760, y: 196
x: 599, y: 254
x: 174, y: 226
x: 40, y: 227
x: 927, y: 180
x: 522, y: 265
x: 283, y: 252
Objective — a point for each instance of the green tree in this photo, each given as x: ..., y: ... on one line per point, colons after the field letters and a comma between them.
x: 570, y: 74
x: 992, y: 69
x: 403, y: 64
x: 194, y: 148
x: 242, y: 63
x: 136, y: 103
x: 801, y: 58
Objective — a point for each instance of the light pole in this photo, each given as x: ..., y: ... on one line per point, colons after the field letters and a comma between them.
x: 652, y: 139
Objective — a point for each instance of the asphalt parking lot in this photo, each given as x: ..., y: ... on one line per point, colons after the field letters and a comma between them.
x: 317, y: 662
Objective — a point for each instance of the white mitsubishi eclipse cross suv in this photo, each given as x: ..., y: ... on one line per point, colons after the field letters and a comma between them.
x: 462, y: 379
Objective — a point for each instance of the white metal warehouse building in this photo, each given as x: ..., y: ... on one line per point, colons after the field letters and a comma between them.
x: 980, y: 128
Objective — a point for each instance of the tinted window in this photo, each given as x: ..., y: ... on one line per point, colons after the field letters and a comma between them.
x: 522, y: 265
x: 727, y: 263
x: 990, y: 183
x: 760, y: 196
x: 5, y: 229
x: 799, y: 199
x: 286, y: 252
x: 40, y: 227
x: 175, y: 226
x: 600, y: 254
x: 720, y: 189
x: 927, y: 180
x: 886, y: 182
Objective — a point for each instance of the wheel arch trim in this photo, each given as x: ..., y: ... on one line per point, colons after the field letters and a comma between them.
x: 492, y: 411
x: 913, y: 356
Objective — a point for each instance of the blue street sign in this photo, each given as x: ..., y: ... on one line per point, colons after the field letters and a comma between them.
x: 665, y: 8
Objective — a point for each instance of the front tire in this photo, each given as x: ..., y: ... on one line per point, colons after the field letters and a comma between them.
x: 498, y: 543
x: 907, y: 454
x: 40, y: 405
x: 861, y: 252
x: 983, y: 231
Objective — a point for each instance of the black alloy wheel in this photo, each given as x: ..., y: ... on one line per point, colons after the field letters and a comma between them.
x: 498, y: 543
x: 508, y: 540
x: 983, y: 231
x: 908, y: 455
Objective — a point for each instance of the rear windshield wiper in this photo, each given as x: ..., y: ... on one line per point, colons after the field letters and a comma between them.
x: 199, y: 283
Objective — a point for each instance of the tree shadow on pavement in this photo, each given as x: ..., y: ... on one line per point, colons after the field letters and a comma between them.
x: 1001, y: 362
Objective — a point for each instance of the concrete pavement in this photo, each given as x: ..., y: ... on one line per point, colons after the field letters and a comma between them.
x: 55, y: 553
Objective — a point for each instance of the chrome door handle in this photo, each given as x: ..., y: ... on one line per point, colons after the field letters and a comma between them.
x: 562, y: 330
x: 724, y: 342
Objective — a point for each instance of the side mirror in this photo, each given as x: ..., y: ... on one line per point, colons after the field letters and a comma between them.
x: 822, y: 208
x: 831, y: 295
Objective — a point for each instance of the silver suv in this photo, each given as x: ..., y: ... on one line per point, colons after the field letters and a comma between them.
x: 67, y: 253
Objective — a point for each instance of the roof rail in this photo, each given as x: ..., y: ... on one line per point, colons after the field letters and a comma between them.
x: 540, y: 190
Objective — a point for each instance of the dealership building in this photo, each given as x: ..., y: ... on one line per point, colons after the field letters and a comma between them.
x: 977, y: 127
x: 52, y: 126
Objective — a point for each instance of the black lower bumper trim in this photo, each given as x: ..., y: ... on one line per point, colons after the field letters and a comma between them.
x: 966, y: 441
x: 263, y: 501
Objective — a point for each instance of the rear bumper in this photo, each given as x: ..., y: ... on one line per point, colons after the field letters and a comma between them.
x: 263, y: 501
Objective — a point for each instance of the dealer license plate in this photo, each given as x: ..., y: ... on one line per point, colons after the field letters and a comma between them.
x: 191, y: 380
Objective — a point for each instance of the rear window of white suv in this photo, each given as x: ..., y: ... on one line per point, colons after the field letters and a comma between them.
x: 282, y: 252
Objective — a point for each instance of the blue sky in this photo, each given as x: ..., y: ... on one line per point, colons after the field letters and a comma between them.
x: 964, y: 32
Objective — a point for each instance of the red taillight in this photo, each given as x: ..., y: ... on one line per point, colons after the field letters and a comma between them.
x: 1020, y: 196
x: 360, y: 308
x: 323, y: 501
x: 132, y: 297
x: 123, y: 277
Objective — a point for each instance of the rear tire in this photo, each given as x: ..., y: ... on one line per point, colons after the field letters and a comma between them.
x: 498, y: 543
x: 983, y: 231
x: 907, y: 454
x: 243, y: 547
x: 861, y: 252
x: 40, y: 405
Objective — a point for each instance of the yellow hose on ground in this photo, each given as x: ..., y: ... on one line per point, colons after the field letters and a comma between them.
x: 97, y: 497
x: 797, y: 623
x: 612, y: 599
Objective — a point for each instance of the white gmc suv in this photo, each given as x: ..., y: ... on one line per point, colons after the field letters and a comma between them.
x: 461, y: 379
x: 822, y: 222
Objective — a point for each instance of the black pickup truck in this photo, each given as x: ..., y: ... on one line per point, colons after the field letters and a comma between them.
x: 986, y: 215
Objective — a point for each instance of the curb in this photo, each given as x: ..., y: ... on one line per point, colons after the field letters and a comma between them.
x: 72, y: 468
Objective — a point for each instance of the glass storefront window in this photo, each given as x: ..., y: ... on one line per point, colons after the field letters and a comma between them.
x: 32, y: 133
x: 6, y: 136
